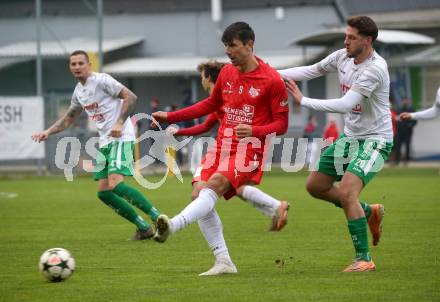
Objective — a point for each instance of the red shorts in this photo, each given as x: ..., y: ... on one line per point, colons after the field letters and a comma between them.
x: 256, y: 179
x: 239, y: 169
x: 197, y: 174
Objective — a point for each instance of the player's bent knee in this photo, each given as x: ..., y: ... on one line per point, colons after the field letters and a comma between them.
x: 219, y: 184
x: 112, y: 184
x: 197, y: 187
x: 315, y: 189
x: 347, y: 196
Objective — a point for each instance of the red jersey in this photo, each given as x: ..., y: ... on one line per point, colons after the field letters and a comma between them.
x: 257, y: 98
x: 207, y: 125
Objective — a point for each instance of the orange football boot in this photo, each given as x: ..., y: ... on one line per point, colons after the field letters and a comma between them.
x: 279, y: 220
x: 375, y: 222
x: 360, y: 265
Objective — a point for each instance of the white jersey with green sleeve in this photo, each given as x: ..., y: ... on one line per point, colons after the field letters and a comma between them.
x: 372, y: 116
x: 99, y: 98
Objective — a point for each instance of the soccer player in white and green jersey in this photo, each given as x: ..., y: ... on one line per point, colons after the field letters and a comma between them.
x: 356, y: 157
x: 109, y: 104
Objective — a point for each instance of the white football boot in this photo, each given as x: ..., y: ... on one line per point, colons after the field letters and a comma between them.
x: 221, y: 266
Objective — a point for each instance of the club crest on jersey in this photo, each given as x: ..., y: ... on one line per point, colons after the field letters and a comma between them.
x: 248, y: 110
x: 254, y: 92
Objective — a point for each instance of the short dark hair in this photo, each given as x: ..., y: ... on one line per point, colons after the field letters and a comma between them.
x: 80, y: 52
x: 211, y: 69
x: 365, y: 25
x: 238, y: 30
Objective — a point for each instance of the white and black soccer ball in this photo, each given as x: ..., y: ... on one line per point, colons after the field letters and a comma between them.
x: 56, y: 264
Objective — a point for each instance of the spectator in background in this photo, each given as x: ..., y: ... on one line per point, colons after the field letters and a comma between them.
x: 394, y: 119
x: 310, y: 133
x: 404, y: 133
x: 310, y: 128
x: 331, y: 131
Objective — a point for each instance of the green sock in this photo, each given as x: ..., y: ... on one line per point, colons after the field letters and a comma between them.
x: 365, y: 206
x: 367, y: 209
x: 137, y: 199
x: 358, y: 232
x: 120, y: 206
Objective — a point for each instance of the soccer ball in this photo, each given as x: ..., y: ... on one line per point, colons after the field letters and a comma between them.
x: 56, y: 264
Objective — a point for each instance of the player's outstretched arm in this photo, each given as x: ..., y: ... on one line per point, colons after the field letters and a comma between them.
x: 128, y: 106
x: 293, y: 89
x: 301, y: 73
x: 69, y: 117
x: 405, y: 116
x: 160, y: 117
x: 427, y: 114
x: 341, y: 105
x: 207, y: 125
x: 197, y: 110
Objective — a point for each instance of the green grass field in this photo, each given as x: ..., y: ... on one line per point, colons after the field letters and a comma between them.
x: 314, y: 246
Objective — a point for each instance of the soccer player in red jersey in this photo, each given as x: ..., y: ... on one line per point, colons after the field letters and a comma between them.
x: 262, y: 202
x: 253, y: 99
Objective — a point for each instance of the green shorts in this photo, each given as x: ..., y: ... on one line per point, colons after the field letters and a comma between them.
x: 364, y: 158
x: 114, y: 158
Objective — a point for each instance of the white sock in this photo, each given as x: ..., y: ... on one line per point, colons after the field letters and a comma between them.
x: 212, y: 229
x: 261, y: 201
x: 197, y: 209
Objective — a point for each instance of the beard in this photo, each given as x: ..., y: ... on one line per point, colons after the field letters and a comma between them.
x: 355, y: 52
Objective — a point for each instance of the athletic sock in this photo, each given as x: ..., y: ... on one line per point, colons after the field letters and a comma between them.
x: 120, y: 206
x: 261, y: 201
x: 137, y: 199
x: 365, y: 206
x: 359, y: 236
x: 212, y: 229
x: 196, y: 210
x: 367, y: 209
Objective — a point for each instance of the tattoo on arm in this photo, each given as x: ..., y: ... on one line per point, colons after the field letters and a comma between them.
x: 128, y: 105
x: 69, y: 117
